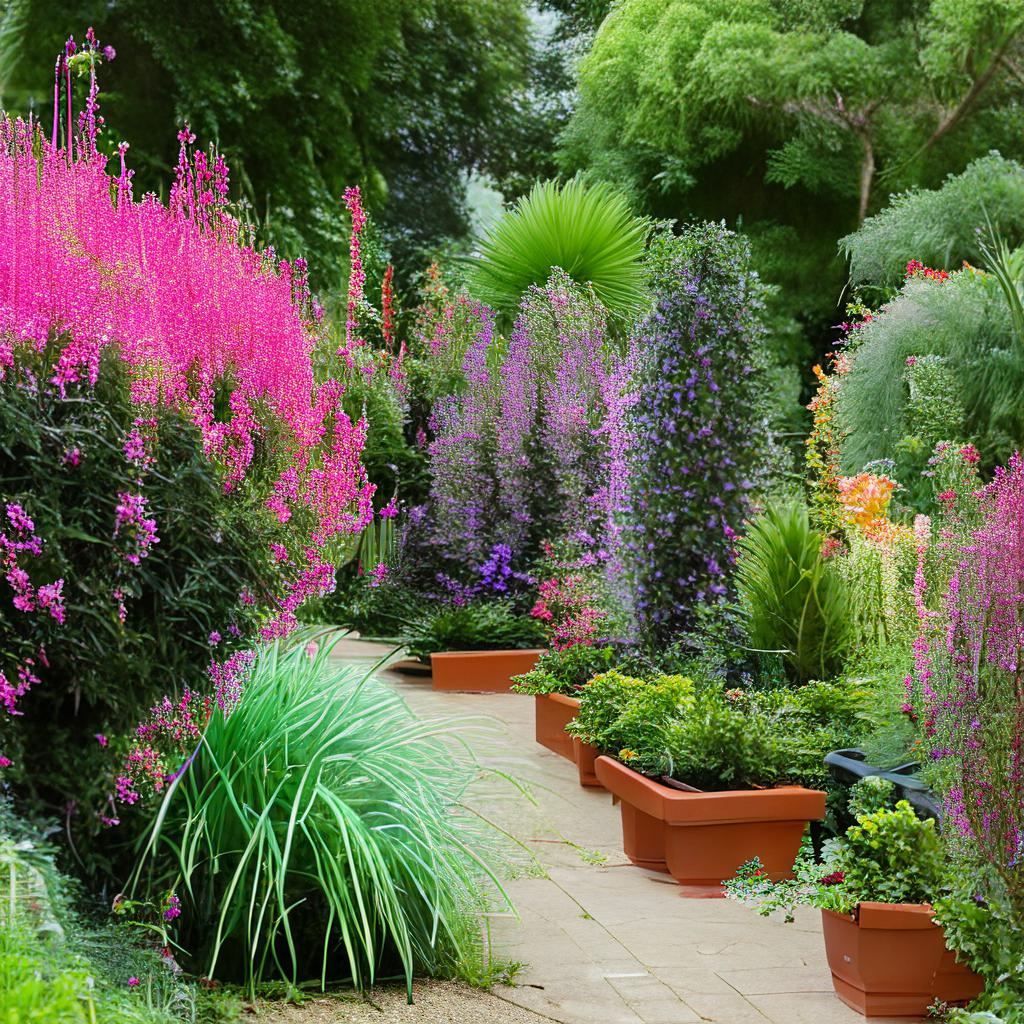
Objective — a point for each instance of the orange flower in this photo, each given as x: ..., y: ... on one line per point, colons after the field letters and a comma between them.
x: 865, y: 498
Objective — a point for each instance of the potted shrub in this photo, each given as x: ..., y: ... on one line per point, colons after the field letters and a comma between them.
x: 478, y: 646
x: 554, y: 683
x: 723, y: 774
x: 887, y: 954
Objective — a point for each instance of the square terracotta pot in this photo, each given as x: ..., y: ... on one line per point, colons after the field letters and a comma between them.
x: 705, y: 837
x: 480, y: 671
x: 891, y: 960
x: 552, y: 713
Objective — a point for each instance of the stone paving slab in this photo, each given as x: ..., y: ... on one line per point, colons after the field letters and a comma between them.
x: 604, y: 942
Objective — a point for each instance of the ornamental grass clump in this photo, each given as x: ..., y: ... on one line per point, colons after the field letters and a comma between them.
x: 797, y: 602
x: 698, y: 430
x: 320, y: 834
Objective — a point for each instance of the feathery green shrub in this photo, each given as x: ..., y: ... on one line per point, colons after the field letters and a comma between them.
x: 319, y: 833
x: 940, y: 226
x: 966, y: 321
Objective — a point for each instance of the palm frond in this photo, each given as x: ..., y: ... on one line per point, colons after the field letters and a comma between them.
x: 586, y: 230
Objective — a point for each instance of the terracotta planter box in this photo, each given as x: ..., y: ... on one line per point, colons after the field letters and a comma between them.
x: 480, y: 671
x: 585, y: 755
x: 890, y: 960
x: 553, y: 712
x: 702, y: 838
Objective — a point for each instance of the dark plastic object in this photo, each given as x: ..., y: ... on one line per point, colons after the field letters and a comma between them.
x: 850, y: 766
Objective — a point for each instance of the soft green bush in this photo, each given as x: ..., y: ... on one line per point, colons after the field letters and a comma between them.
x: 984, y: 935
x: 586, y: 230
x: 565, y: 671
x: 889, y: 856
x: 797, y: 602
x: 871, y: 794
x: 940, y: 227
x: 964, y: 320
x: 319, y: 834
x: 741, y: 739
x: 478, y: 625
x: 629, y: 717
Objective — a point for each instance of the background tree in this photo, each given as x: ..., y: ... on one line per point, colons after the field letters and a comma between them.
x: 795, y: 119
x: 402, y: 96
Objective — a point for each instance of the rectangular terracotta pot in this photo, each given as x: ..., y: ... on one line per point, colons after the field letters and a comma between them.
x: 585, y: 755
x: 480, y: 671
x: 891, y: 960
x: 552, y: 713
x: 707, y: 836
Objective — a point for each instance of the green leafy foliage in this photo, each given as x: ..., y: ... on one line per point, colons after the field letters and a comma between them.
x: 797, y: 602
x: 802, y: 116
x: 477, y: 625
x: 428, y: 89
x: 742, y: 739
x: 58, y: 965
x: 629, y: 717
x: 986, y: 937
x: 965, y: 321
x: 940, y: 227
x: 565, y: 671
x: 889, y: 856
x: 318, y: 833
x: 586, y: 230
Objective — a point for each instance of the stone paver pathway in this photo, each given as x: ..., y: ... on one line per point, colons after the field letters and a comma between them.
x: 604, y: 942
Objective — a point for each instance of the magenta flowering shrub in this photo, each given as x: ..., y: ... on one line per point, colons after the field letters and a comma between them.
x: 698, y: 428
x: 967, y: 689
x: 173, y: 477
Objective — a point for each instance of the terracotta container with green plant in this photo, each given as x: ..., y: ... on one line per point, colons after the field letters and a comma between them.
x: 477, y: 646
x: 887, y: 954
x: 555, y: 683
x: 706, y: 776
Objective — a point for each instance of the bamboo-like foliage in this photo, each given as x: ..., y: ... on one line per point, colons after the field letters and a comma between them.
x: 586, y: 230
x: 796, y: 602
x: 319, y: 833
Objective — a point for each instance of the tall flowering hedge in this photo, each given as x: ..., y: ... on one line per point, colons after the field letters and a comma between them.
x: 698, y: 427
x: 184, y: 342
x: 532, y: 448
x: 967, y: 691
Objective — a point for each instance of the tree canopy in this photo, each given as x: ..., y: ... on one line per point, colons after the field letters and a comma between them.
x: 401, y: 96
x: 747, y: 108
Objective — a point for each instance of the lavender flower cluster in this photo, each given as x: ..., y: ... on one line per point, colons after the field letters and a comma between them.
x: 534, y: 447
x: 698, y: 431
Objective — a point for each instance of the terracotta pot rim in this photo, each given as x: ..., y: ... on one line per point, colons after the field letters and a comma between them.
x: 672, y: 793
x: 561, y: 698
x: 489, y: 653
x: 872, y: 914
